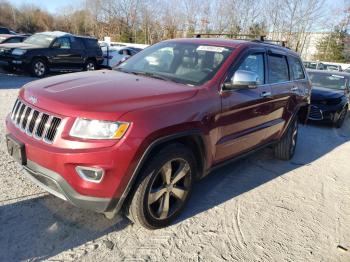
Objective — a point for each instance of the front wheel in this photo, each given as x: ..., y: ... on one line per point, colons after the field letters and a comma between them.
x: 164, y: 187
x: 38, y: 68
x: 285, y: 148
x: 342, y: 117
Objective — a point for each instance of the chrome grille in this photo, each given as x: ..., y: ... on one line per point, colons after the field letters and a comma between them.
x: 315, y: 113
x: 34, y: 123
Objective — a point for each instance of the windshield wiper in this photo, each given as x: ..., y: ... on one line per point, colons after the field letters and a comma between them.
x: 149, y: 74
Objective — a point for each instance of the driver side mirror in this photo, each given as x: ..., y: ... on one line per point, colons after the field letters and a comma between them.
x: 243, y: 79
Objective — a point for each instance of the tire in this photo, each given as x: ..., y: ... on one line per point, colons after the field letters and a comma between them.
x: 38, y: 68
x: 285, y: 148
x: 90, y: 65
x: 159, y: 175
x: 342, y: 117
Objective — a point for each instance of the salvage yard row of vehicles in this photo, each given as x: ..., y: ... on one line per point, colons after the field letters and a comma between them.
x: 58, y: 52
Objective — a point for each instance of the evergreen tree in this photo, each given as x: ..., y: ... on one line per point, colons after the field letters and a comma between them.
x: 332, y: 47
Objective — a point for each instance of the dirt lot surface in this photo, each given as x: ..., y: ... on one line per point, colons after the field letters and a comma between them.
x: 257, y: 209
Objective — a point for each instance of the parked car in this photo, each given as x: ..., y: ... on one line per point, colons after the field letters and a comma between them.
x: 7, y: 39
x: 314, y: 65
x: 138, y: 137
x: 4, y: 30
x: 52, y: 51
x: 329, y: 97
x: 330, y: 67
x: 114, y: 55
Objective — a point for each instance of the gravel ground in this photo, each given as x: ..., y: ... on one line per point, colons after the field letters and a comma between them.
x: 257, y: 209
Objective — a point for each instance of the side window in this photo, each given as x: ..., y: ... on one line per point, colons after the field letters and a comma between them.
x: 277, y: 69
x: 76, y: 43
x: 297, y: 69
x: 62, y: 43
x: 255, y: 63
x: 13, y: 40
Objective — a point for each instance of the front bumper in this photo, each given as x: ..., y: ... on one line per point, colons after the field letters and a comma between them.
x: 56, y: 185
x: 325, y: 113
x: 16, y: 61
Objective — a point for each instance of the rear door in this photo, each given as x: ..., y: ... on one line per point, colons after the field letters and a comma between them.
x: 299, y: 78
x: 282, y: 88
x: 246, y: 113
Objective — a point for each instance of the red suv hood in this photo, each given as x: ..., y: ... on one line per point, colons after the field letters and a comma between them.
x: 102, y: 94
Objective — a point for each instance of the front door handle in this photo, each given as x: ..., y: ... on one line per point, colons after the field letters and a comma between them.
x: 265, y: 94
x: 294, y: 88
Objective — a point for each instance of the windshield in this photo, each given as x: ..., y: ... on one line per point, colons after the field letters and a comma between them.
x: 185, y: 63
x: 40, y: 40
x: 328, y: 81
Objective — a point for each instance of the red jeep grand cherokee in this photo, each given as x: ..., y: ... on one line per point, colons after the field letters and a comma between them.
x: 137, y: 138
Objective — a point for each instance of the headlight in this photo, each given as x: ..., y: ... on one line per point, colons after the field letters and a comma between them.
x: 18, y: 51
x: 97, y: 129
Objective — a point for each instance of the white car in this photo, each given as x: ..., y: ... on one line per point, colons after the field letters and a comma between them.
x: 114, y: 55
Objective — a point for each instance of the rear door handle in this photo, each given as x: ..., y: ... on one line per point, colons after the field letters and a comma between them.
x: 294, y: 88
x: 265, y: 94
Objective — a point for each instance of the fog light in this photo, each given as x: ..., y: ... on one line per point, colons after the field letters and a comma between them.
x: 91, y: 174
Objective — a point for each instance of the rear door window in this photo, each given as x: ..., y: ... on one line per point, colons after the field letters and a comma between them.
x: 296, y: 68
x: 277, y: 69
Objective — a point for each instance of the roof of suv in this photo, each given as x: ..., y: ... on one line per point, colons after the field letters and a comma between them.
x: 233, y: 43
x: 60, y: 33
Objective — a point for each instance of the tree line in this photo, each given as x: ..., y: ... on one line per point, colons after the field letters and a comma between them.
x: 150, y: 21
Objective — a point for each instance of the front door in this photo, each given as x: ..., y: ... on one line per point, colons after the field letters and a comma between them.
x: 245, y: 119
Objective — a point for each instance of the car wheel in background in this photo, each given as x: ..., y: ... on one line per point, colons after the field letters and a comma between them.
x: 164, y: 187
x: 342, y: 117
x: 38, y: 68
x: 90, y: 65
x: 285, y: 148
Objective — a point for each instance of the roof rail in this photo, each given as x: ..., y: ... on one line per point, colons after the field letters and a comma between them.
x: 248, y: 37
x: 233, y: 36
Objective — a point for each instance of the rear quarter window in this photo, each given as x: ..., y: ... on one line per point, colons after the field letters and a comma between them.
x: 278, y: 69
x: 91, y: 43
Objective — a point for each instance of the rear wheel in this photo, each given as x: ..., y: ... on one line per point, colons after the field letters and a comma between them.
x: 38, y: 68
x: 90, y: 65
x: 342, y: 117
x: 285, y: 148
x: 164, y: 189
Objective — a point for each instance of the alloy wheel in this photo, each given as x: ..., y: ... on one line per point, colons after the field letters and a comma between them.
x: 90, y: 66
x: 169, y: 189
x: 39, y: 68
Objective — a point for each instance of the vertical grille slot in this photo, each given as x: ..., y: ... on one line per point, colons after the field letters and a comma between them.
x: 14, y: 110
x: 41, y: 126
x: 20, y: 112
x: 51, y: 132
x: 34, y: 123
x: 25, y: 119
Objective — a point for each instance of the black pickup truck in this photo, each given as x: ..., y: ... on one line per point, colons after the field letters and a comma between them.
x: 52, y: 51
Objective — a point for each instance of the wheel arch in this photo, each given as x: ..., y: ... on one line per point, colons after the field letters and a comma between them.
x: 192, y: 139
